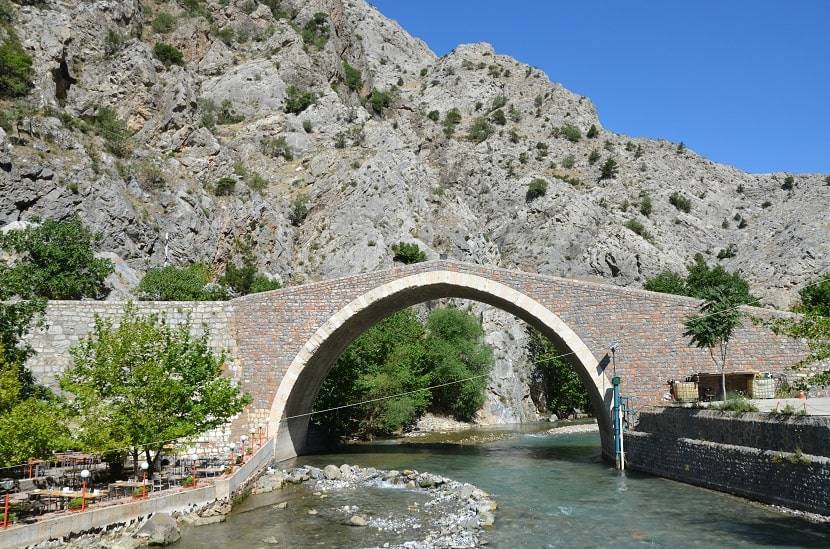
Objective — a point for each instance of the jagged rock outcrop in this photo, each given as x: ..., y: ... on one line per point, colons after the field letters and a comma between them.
x: 370, y: 178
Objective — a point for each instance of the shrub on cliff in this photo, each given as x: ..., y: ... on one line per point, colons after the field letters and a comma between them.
x: 408, y: 253
x: 167, y: 54
x: 172, y: 283
x: 15, y: 68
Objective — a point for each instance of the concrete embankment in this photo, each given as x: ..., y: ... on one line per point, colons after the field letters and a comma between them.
x: 778, y: 460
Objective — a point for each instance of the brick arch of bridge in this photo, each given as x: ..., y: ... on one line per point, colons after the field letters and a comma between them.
x: 301, y: 382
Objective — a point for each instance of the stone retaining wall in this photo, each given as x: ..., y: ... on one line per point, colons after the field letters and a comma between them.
x: 749, y: 455
x: 811, y: 434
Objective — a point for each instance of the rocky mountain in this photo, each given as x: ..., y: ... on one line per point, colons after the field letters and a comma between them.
x: 320, y: 133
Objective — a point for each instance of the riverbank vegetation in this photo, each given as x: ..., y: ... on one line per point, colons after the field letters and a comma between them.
x: 131, y: 386
x: 560, y: 391
x: 402, y: 354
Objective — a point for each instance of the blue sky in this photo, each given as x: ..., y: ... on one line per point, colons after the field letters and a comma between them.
x: 743, y: 82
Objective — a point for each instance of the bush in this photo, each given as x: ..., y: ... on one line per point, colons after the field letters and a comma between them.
x: 54, y: 260
x: 571, y: 133
x: 730, y: 251
x: 535, y: 189
x: 354, y: 79
x: 224, y: 186
x: 766, y: 204
x: 498, y: 117
x: 815, y: 297
x: 568, y: 162
x: 451, y: 120
x: 167, y: 54
x: 609, y: 169
x: 15, y: 68
x: 680, y: 202
x: 593, y: 157
x: 113, y: 42
x: 735, y: 403
x: 307, y: 127
x: 789, y: 183
x: 149, y: 174
x: 297, y: 100
x: 113, y: 130
x: 379, y: 100
x: 7, y: 12
x: 316, y: 30
x: 637, y: 228
x: 564, y: 392
x: 700, y: 281
x: 172, y: 283
x: 227, y: 115
x: 592, y: 132
x: 226, y: 34
x: 277, y: 146
x: 244, y: 279
x: 434, y: 116
x: 645, y: 205
x: 163, y: 23
x: 299, y: 210
x: 407, y: 253
x: 480, y: 130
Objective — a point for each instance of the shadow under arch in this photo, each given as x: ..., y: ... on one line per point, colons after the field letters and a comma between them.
x: 300, y: 384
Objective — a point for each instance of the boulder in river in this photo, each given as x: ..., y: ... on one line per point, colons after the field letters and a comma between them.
x: 358, y: 520
x: 160, y: 529
x: 331, y: 472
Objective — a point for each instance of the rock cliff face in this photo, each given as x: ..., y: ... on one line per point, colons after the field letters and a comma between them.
x: 372, y: 172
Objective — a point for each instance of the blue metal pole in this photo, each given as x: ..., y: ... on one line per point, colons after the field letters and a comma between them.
x: 615, y: 381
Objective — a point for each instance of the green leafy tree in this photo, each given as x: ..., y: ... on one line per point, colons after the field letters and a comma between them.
x: 172, y: 283
x: 400, y: 355
x: 55, y: 260
x: 316, y: 30
x: 592, y: 132
x: 143, y: 382
x: 380, y: 100
x: 454, y: 351
x: 564, y: 392
x: 33, y: 428
x: 408, y: 253
x: 713, y: 327
x: 385, y: 360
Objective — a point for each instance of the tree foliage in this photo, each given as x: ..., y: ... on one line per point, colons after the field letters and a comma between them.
x: 408, y: 253
x: 400, y: 354
x: 353, y: 77
x: 564, y: 392
x: 720, y: 315
x: 244, y: 278
x: 700, y: 280
x: 297, y: 100
x: 143, y: 381
x: 815, y: 297
x: 55, y: 260
x: 172, y: 283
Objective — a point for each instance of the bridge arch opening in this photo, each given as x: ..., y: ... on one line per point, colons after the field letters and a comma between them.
x: 301, y: 383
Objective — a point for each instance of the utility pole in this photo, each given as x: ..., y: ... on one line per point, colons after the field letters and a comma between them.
x: 619, y: 453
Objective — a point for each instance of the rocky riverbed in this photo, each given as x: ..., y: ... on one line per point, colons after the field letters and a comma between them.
x: 406, y: 509
x: 445, y: 513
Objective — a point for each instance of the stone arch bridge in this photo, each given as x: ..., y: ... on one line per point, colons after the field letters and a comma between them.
x: 283, y: 343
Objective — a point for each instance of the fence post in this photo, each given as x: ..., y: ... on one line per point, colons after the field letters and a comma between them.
x: 6, y: 512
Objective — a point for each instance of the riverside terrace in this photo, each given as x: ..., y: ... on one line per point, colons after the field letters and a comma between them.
x: 282, y: 344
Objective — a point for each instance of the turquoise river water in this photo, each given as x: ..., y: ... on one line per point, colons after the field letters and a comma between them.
x: 552, y: 491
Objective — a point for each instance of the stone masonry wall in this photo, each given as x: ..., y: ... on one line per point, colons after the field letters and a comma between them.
x: 749, y: 455
x: 779, y: 478
x: 810, y: 434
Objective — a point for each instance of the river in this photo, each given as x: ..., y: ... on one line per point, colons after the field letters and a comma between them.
x: 552, y: 491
